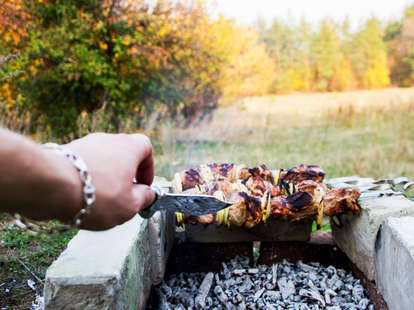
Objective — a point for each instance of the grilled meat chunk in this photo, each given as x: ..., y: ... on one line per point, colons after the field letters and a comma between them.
x: 294, y: 207
x: 256, y: 185
x: 301, y: 173
x: 318, y: 192
x: 186, y: 180
x: 341, y: 200
x: 212, y: 187
x: 206, y: 219
x: 254, y: 210
x: 262, y: 172
x: 227, y: 171
x: 238, y: 211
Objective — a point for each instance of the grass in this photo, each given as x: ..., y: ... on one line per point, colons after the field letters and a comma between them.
x: 366, y: 133
x: 23, y: 257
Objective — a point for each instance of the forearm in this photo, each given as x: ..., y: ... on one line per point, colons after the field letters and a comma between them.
x: 35, y: 182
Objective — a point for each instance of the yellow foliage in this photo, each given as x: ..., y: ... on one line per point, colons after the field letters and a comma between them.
x: 126, y: 40
x: 378, y: 74
x: 250, y: 70
x: 343, y: 78
x: 103, y: 45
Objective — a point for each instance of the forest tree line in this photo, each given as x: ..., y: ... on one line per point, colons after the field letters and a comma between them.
x: 69, y: 67
x: 331, y: 57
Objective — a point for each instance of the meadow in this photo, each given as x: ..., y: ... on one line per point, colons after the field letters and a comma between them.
x: 366, y: 133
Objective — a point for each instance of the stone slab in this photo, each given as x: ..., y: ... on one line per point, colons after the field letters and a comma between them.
x: 161, y: 233
x: 395, y: 262
x: 112, y: 269
x: 357, y: 235
x: 102, y: 270
x: 272, y: 230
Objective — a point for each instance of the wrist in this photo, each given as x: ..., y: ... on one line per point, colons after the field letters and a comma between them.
x: 66, y: 200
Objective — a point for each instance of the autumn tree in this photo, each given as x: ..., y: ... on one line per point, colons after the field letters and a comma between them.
x: 399, y: 39
x: 326, y: 53
x: 370, y: 56
x: 289, y: 46
x: 344, y: 77
x: 119, y: 56
x: 250, y: 70
x: 128, y: 60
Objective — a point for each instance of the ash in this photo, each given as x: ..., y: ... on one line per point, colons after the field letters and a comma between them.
x: 285, y: 285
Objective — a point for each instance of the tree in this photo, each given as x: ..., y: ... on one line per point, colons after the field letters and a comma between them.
x: 117, y: 56
x: 326, y: 52
x: 250, y: 70
x: 370, y: 56
x: 289, y: 45
x: 127, y: 61
x: 344, y: 77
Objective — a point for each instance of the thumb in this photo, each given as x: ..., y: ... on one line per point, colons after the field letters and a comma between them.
x: 143, y: 195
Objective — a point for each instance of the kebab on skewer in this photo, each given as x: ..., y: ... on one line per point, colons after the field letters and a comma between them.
x: 295, y: 194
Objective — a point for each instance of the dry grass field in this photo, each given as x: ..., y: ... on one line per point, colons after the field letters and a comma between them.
x: 367, y: 133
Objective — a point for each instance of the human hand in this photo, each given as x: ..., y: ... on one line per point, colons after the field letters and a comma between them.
x: 114, y: 160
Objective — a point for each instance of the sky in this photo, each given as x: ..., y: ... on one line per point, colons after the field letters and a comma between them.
x: 247, y: 11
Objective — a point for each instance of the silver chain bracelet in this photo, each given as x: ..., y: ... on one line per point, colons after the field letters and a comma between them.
x: 87, y: 188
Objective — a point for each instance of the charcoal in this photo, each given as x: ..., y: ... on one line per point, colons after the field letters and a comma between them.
x: 258, y: 284
x: 258, y: 294
x: 218, y: 281
x: 306, y: 268
x: 357, y: 292
x: 363, y: 303
x: 222, y: 297
x: 208, y: 302
x: 313, y: 277
x: 239, y: 272
x: 287, y: 287
x: 338, y: 285
x: 166, y: 291
x: 246, y: 286
x: 230, y: 283
x: 237, y: 299
x: 282, y: 286
x: 164, y: 304
x: 253, y: 271
x: 225, y: 271
x: 272, y: 296
x: 274, y: 274
x: 205, y: 286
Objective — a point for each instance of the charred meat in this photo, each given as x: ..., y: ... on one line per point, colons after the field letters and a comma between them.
x: 295, y: 194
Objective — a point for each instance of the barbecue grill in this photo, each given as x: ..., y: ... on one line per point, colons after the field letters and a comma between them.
x: 136, y: 268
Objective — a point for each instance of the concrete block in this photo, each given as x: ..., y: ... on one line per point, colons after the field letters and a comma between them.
x: 357, y: 235
x: 161, y: 233
x: 102, y: 270
x: 395, y: 262
x: 272, y: 230
x: 161, y: 238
